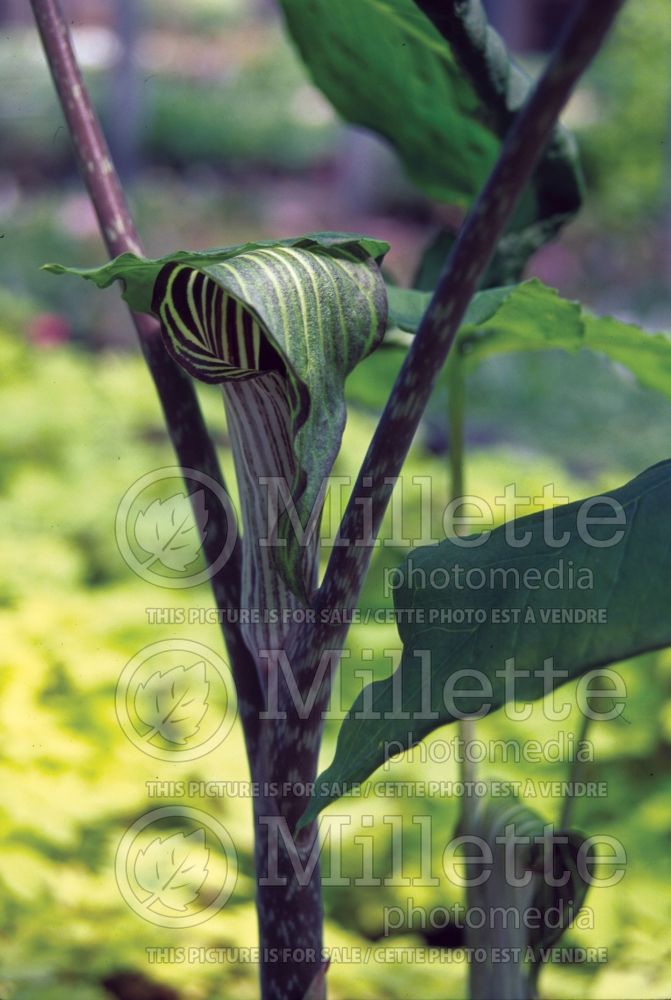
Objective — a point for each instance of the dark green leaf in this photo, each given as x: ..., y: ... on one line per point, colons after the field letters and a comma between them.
x: 532, y: 317
x: 629, y: 580
x: 439, y: 85
x: 407, y: 306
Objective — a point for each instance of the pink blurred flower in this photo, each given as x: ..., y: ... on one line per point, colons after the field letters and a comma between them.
x: 49, y: 330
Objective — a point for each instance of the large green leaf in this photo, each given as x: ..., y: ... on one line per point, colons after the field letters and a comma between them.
x: 630, y: 581
x: 532, y: 317
x: 439, y: 85
x: 295, y: 316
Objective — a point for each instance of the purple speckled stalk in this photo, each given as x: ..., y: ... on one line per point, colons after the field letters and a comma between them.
x: 477, y: 241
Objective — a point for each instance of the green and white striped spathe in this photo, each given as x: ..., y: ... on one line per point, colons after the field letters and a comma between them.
x: 209, y: 331
x: 307, y: 315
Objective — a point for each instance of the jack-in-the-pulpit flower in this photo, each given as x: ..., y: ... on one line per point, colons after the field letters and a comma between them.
x: 279, y: 326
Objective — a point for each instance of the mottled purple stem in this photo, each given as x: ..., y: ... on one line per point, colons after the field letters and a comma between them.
x: 290, y: 914
x: 477, y: 241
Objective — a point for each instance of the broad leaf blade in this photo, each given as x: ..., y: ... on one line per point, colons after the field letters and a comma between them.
x: 631, y: 580
x: 646, y: 355
x: 532, y: 317
x: 408, y: 305
x: 439, y: 85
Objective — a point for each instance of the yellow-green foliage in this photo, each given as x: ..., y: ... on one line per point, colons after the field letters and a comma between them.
x: 77, y: 430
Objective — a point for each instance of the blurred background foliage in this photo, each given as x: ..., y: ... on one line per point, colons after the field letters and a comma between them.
x: 224, y: 139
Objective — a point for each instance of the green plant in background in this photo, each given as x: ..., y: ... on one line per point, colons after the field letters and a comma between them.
x: 630, y: 179
x: 282, y: 324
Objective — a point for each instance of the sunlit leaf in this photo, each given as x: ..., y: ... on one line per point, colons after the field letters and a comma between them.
x: 532, y: 317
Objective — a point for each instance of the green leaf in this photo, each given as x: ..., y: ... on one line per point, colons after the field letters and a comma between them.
x: 522, y: 317
x: 439, y: 85
x: 295, y: 316
x: 514, y: 317
x: 646, y: 355
x: 630, y: 581
x: 532, y: 317
x: 408, y: 305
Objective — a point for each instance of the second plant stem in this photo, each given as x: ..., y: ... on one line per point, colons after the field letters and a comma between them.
x: 455, y: 423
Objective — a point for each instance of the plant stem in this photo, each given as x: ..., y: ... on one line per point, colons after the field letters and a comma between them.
x: 176, y: 393
x: 455, y: 421
x: 479, y: 235
x: 288, y: 895
x: 575, y: 775
x: 290, y: 914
